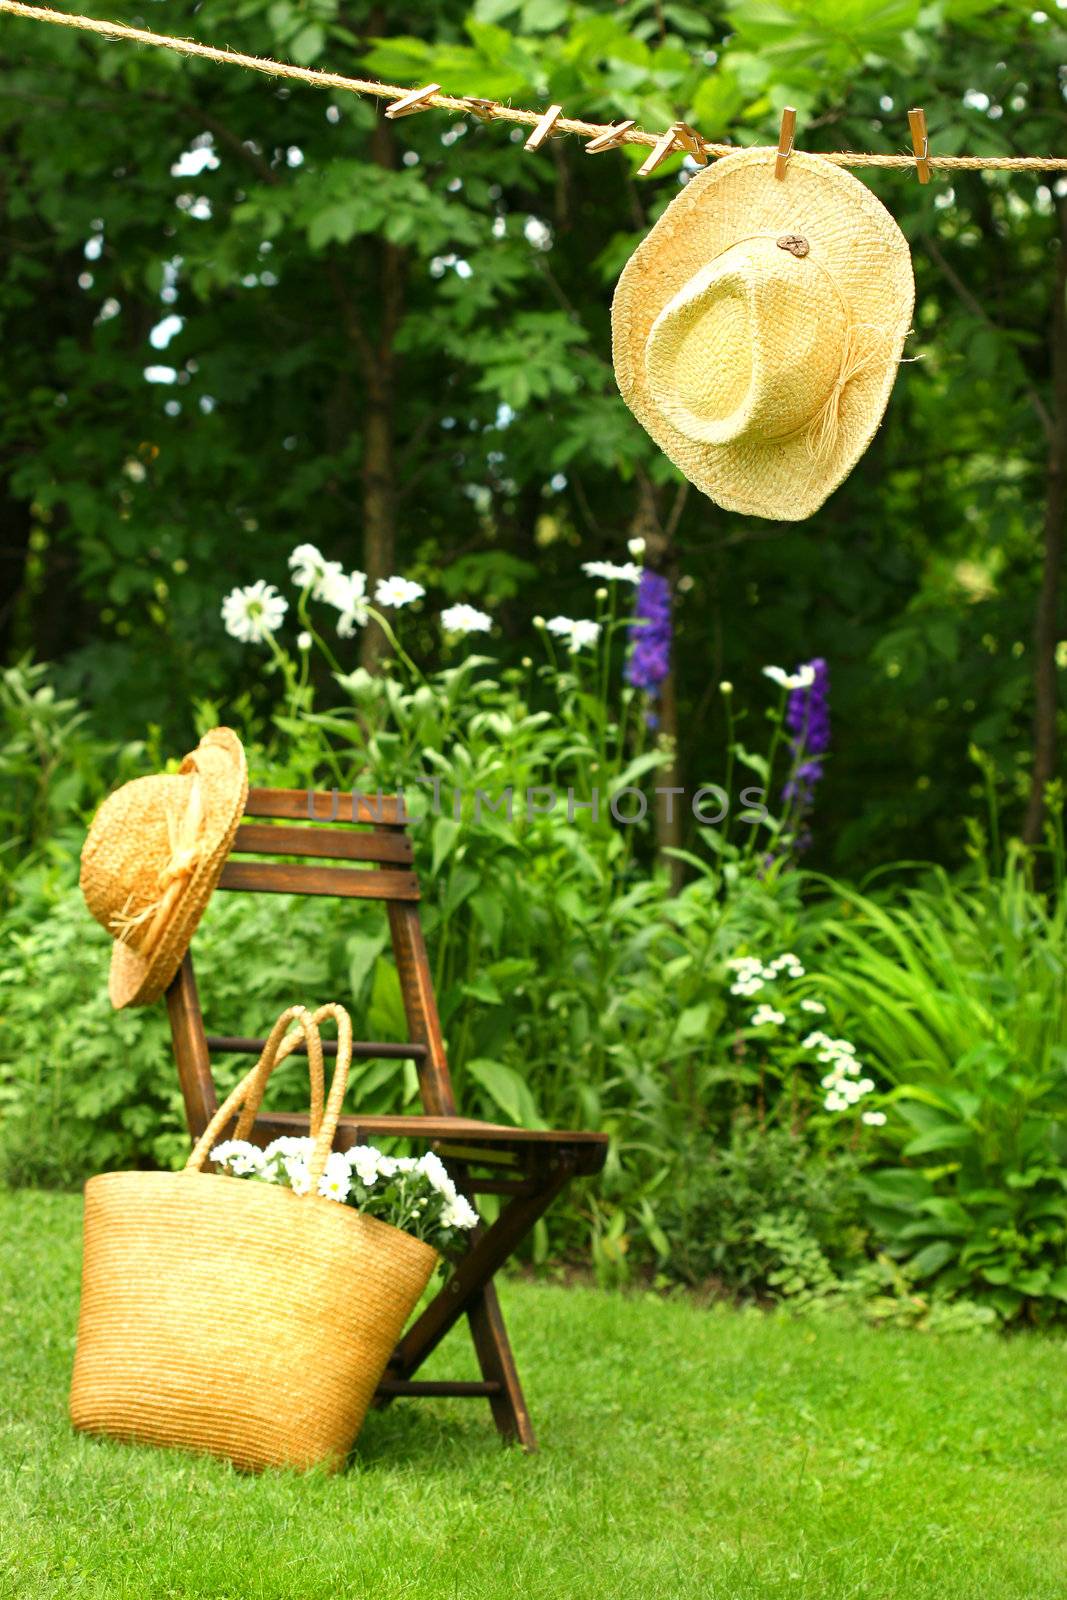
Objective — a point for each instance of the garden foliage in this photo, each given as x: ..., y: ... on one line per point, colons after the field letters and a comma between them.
x: 812, y: 1093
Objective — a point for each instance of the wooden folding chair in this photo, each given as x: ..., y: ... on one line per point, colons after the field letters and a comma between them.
x: 527, y: 1168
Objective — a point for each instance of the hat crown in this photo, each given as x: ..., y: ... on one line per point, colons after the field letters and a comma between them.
x: 130, y: 844
x: 751, y: 346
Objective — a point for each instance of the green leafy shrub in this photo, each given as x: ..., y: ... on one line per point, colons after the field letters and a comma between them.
x: 958, y: 992
x: 85, y: 1088
x: 52, y: 769
x: 761, y: 1211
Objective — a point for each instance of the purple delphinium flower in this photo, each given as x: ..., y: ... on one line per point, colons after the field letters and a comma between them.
x: 650, y: 633
x: 807, y: 716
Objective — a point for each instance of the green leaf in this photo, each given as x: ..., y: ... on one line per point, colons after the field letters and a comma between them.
x: 949, y: 1137
x: 931, y: 1259
x: 445, y: 833
x: 363, y: 951
x: 507, y: 1090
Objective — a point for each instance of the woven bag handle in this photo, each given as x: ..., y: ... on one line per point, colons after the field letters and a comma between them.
x: 257, y: 1078
x: 248, y: 1094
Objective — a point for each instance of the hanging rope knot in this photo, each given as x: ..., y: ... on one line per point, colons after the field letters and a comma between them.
x: 185, y: 851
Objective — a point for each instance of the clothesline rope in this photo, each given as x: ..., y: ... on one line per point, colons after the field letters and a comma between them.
x: 492, y: 111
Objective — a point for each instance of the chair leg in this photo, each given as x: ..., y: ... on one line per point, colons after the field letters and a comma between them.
x: 493, y: 1349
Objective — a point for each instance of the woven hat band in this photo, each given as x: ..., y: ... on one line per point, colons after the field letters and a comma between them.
x: 141, y: 928
x: 751, y: 346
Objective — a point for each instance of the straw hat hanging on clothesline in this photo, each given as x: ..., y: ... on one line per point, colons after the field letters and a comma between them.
x: 757, y: 330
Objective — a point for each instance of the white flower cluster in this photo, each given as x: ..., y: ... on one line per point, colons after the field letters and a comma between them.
x: 254, y: 612
x: 752, y: 974
x: 364, y: 1169
x: 843, y: 1084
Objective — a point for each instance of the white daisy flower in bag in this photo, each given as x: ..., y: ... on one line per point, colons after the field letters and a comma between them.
x: 459, y: 1213
x: 363, y: 1160
x: 242, y: 1158
x: 433, y: 1168
x: 336, y: 1181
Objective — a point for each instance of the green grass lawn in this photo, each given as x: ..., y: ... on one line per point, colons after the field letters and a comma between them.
x: 684, y: 1453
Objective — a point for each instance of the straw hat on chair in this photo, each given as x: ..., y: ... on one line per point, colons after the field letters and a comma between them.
x: 153, y: 856
x: 756, y: 331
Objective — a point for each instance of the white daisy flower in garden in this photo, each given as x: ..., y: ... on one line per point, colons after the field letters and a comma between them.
x: 397, y: 592
x: 803, y: 678
x: 815, y: 1041
x: 312, y: 571
x: 636, y: 547
x: 303, y: 641
x: 348, y: 593
x: 465, y: 619
x: 767, y: 1016
x: 628, y: 572
x: 745, y: 964
x: 873, y: 1119
x: 577, y: 633
x: 835, y: 1101
x: 254, y: 612
x: 814, y: 1006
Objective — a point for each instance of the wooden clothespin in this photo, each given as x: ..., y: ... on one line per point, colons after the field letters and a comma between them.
x: 920, y: 142
x: 544, y: 128
x: 785, y: 141
x: 610, y: 138
x: 480, y: 107
x: 416, y: 100
x: 691, y: 142
x: 666, y: 144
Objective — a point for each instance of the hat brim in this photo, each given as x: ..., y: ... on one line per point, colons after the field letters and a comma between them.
x: 138, y: 981
x: 859, y: 243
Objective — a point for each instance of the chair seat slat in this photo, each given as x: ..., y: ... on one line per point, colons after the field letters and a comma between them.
x: 350, y: 883
x: 262, y: 839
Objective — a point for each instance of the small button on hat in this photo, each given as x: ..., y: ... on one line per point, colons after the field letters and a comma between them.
x: 757, y: 329
x: 152, y: 858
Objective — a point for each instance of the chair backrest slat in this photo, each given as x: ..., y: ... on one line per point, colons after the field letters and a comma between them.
x: 337, y: 844
x: 352, y: 883
x: 383, y: 810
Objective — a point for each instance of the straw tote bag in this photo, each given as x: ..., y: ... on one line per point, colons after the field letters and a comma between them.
x: 234, y: 1316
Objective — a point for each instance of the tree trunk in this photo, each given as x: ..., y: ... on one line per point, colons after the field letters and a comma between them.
x: 379, y: 496
x: 1046, y: 622
x: 379, y: 468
